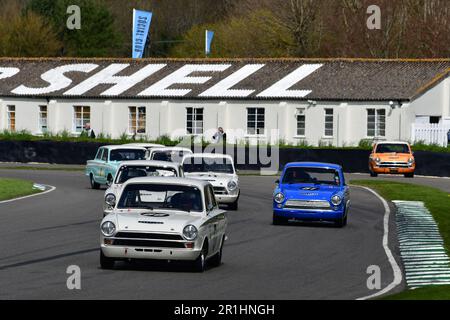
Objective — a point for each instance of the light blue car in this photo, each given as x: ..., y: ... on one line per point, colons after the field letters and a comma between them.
x: 102, y: 170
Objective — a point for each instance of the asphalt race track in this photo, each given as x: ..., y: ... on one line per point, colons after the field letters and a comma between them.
x: 43, y: 235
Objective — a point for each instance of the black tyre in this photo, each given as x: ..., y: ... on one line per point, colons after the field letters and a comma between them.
x: 216, y: 260
x: 105, y: 262
x: 409, y: 175
x: 278, y: 221
x: 109, y: 181
x: 199, y: 264
x: 233, y: 206
x: 373, y: 174
x: 94, y: 185
x: 340, y: 223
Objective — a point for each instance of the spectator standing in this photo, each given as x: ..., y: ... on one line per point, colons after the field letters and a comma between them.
x: 88, y: 132
x: 219, y: 136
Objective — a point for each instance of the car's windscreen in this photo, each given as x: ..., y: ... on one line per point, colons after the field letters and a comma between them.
x: 128, y: 172
x: 197, y: 164
x: 311, y: 175
x: 157, y: 196
x: 126, y: 155
x: 170, y: 156
x: 392, y: 148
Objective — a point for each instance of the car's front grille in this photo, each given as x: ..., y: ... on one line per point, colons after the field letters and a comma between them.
x: 147, y: 243
x: 391, y: 164
x: 143, y: 235
x: 220, y: 190
x: 308, y: 204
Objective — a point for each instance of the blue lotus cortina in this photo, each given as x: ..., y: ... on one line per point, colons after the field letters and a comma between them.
x: 311, y: 191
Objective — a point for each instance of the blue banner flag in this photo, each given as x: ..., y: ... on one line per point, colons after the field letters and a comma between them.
x: 141, y: 27
x: 209, y: 37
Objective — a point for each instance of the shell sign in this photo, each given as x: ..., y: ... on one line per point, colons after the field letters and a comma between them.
x: 103, y: 78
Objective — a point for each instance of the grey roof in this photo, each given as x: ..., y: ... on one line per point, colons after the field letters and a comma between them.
x: 335, y: 80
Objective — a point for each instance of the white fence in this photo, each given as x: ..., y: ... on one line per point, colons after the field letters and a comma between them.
x: 429, y: 133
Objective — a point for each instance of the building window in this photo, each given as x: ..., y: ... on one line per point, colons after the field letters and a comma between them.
x: 82, y: 116
x: 376, y: 122
x: 11, y: 117
x: 255, y: 121
x: 194, y: 123
x: 301, y: 122
x: 329, y: 123
x: 43, y: 119
x: 137, y: 120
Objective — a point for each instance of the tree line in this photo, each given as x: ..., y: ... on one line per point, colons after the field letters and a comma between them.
x: 243, y: 28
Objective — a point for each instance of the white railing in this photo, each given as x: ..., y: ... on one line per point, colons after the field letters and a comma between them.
x: 430, y: 133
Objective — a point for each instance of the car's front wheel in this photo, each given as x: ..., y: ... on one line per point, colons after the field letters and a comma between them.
x: 409, y: 175
x: 94, y: 185
x: 200, y: 263
x: 105, y: 262
x: 342, y: 222
x: 233, y: 206
x: 216, y: 260
x: 373, y: 174
x: 278, y: 221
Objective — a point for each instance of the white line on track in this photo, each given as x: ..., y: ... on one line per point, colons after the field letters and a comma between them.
x: 51, y: 188
x: 395, y: 267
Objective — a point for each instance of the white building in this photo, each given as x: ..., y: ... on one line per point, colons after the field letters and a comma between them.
x: 338, y: 102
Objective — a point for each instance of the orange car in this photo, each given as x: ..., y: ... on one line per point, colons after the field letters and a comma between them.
x: 392, y: 158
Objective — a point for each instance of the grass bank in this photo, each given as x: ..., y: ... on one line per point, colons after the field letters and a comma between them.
x: 15, y: 188
x: 438, y: 202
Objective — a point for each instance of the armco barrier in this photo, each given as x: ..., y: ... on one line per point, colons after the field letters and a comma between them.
x: 352, y: 160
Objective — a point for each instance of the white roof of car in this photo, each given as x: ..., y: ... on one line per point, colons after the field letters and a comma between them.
x: 145, y: 145
x: 154, y: 163
x: 128, y: 147
x: 170, y: 149
x: 169, y: 180
x: 208, y: 155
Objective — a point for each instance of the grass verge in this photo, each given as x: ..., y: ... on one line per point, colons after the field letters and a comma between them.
x: 15, y: 188
x: 438, y: 202
x: 41, y: 168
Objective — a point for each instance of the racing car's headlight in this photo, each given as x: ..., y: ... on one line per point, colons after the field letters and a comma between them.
x: 410, y: 161
x: 190, y: 232
x: 377, y: 160
x: 110, y: 200
x: 232, y: 185
x: 108, y: 228
x: 279, y: 197
x: 336, y: 200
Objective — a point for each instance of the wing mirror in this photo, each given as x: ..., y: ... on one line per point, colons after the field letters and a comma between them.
x: 277, y: 181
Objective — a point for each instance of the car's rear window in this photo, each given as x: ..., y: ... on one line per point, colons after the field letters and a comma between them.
x: 392, y: 148
x: 129, y: 172
x: 127, y: 155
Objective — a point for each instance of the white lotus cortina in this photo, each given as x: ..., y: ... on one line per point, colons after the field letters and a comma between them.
x: 164, y: 218
x: 135, y: 169
x: 218, y: 169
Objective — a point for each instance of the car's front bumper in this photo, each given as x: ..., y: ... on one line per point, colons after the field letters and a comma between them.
x: 228, y: 198
x: 309, y: 214
x: 393, y: 170
x: 123, y: 252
